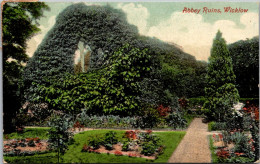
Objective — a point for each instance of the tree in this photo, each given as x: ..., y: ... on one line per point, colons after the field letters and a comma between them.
x: 245, y: 58
x: 19, y: 24
x: 59, y: 134
x: 221, y: 92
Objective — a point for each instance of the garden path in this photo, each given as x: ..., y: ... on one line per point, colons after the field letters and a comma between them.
x: 194, y: 147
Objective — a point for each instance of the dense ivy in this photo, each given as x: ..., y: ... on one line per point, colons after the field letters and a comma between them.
x: 103, y: 29
x: 112, y: 89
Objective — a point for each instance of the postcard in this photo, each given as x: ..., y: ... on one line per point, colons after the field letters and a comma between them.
x: 130, y: 82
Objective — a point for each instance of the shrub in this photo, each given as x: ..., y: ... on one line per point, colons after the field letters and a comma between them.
x: 125, y: 146
x: 175, y: 120
x: 110, y: 138
x: 213, y: 126
x: 242, y: 144
x: 148, y: 148
x: 95, y: 142
x: 148, y: 137
x: 149, y: 118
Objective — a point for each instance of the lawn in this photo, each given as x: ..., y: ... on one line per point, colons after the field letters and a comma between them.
x: 41, y: 132
x: 74, y: 154
x: 214, y: 157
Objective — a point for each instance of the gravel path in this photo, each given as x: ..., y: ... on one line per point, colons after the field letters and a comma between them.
x: 194, y: 147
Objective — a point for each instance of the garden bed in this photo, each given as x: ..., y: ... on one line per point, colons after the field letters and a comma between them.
x: 117, y: 150
x: 75, y: 154
x: 26, y: 146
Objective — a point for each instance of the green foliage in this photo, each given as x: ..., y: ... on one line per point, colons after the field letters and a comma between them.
x: 70, y: 93
x: 125, y: 146
x: 237, y: 159
x: 148, y: 118
x: 242, y: 144
x: 197, y: 101
x: 149, y: 143
x: 221, y: 92
x: 127, y: 66
x: 176, y: 120
x: 19, y: 24
x: 75, y: 23
x: 101, y: 91
x: 105, y: 30
x: 213, y: 126
x: 96, y: 141
x: 110, y: 139
x: 59, y: 135
x: 186, y: 80
x: 148, y: 148
x: 245, y: 58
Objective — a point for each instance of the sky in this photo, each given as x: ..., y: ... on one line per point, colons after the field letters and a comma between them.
x: 168, y: 21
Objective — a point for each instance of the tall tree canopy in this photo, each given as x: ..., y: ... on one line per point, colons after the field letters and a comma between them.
x: 245, y: 58
x: 19, y: 24
x: 221, y: 92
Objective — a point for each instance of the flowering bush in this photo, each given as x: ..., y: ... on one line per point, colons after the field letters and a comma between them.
x: 253, y: 110
x: 130, y: 134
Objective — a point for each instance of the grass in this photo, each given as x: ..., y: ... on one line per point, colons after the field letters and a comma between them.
x: 42, y: 133
x: 39, y: 158
x: 214, y: 157
x: 211, y: 126
x: 74, y: 154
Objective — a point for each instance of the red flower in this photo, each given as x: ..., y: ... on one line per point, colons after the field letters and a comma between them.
x: 238, y: 154
x: 118, y: 152
x: 130, y: 134
x: 220, y: 136
x: 132, y: 155
x: 222, y: 153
